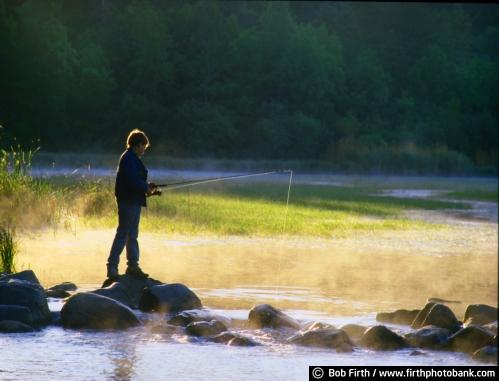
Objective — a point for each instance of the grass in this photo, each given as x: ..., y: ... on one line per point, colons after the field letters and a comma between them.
x: 8, y: 251
x: 474, y: 195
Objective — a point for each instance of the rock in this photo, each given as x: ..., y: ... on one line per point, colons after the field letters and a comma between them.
x: 354, y: 331
x: 205, y: 328
x: 324, y: 338
x: 21, y: 314
x: 381, y: 338
x: 316, y: 325
x: 443, y: 301
x: 168, y: 298
x: 127, y: 290
x: 11, y: 326
x: 27, y: 294
x: 470, y: 339
x: 264, y: 315
x: 442, y: 316
x: 480, y: 314
x: 487, y: 354
x: 65, y: 286
x: 89, y: 310
x: 26, y: 275
x: 428, y: 337
x: 421, y: 316
x: 55, y: 318
x: 186, y: 317
x: 492, y: 327
x: 398, y: 317
x: 58, y: 294
x: 417, y: 353
x: 223, y: 338
x: 242, y: 341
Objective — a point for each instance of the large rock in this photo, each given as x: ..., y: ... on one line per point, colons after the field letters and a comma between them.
x: 11, y: 326
x: 381, y: 338
x: 57, y: 294
x: 27, y: 294
x: 264, y: 315
x: 324, y: 338
x: 480, y: 314
x: 442, y: 316
x: 65, y: 286
x: 398, y: 317
x: 127, y: 290
x: 184, y: 318
x: 487, y: 354
x: 421, y: 316
x: 16, y: 313
x: 470, y: 339
x: 354, y: 331
x: 205, y: 328
x: 26, y: 275
x: 428, y: 337
x: 233, y: 339
x: 170, y: 298
x: 88, y: 310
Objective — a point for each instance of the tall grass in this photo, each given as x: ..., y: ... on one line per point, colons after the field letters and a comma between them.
x: 8, y: 250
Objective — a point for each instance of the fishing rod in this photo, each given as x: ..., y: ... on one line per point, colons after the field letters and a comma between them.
x: 189, y: 183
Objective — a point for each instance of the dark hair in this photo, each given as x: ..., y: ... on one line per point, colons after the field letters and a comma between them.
x: 136, y: 137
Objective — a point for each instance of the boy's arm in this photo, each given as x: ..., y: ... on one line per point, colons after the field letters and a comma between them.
x: 131, y: 175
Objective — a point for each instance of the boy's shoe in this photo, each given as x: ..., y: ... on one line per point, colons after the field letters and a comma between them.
x: 112, y: 274
x: 136, y: 272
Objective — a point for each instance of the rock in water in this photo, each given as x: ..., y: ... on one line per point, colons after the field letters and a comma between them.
x: 264, y: 315
x: 487, y: 354
x: 11, y: 326
x: 26, y: 275
x: 480, y: 314
x: 442, y: 316
x: 381, y: 338
x: 184, y: 318
x: 205, y: 328
x: 16, y: 313
x: 27, y: 294
x: 325, y: 338
x: 65, y: 286
x: 421, y: 316
x: 398, y: 317
x: 428, y: 337
x: 354, y: 331
x: 58, y: 294
x: 171, y: 298
x: 470, y: 339
x: 88, y: 310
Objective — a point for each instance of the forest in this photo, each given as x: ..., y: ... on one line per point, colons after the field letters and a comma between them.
x: 384, y: 87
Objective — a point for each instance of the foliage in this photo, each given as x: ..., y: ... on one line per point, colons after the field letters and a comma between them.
x: 8, y: 251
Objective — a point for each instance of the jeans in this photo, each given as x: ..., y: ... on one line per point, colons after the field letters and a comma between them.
x: 126, y: 235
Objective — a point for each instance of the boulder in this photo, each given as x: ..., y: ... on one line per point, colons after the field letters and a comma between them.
x: 233, y: 339
x: 487, y: 354
x: 27, y: 294
x: 470, y: 339
x: 443, y: 301
x: 492, y: 327
x: 57, y: 294
x: 480, y: 314
x: 21, y: 314
x: 205, y: 328
x: 127, y: 289
x: 421, y: 316
x: 184, y: 318
x: 170, y: 298
x: 381, y: 338
x: 264, y: 315
x: 316, y: 325
x: 405, y: 317
x: 354, y: 331
x: 431, y: 337
x: 89, y: 310
x: 26, y: 275
x: 442, y: 316
x: 65, y: 286
x: 223, y: 338
x: 11, y: 326
x: 324, y: 338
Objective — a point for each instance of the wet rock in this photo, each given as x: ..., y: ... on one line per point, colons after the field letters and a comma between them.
x: 381, y: 338
x: 480, y: 314
x: 442, y: 301
x: 205, y: 328
x: 223, y: 338
x: 398, y: 317
x: 242, y: 341
x: 191, y: 316
x: 442, y: 316
x: 470, y: 339
x: 421, y: 316
x: 127, y: 289
x: 264, y: 315
x: 55, y: 318
x: 324, y: 338
x: 65, y: 286
x: 11, y: 326
x: 417, y: 353
x: 57, y: 294
x: 354, y: 331
x: 26, y: 275
x: 89, y: 310
x: 492, y: 327
x: 22, y: 293
x: 316, y: 325
x: 16, y: 313
x: 168, y: 298
x: 487, y: 354
x: 428, y: 337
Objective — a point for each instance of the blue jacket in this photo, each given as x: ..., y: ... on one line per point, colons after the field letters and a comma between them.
x: 131, y: 179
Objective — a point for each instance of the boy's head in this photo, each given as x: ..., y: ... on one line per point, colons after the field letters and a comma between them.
x: 137, y: 138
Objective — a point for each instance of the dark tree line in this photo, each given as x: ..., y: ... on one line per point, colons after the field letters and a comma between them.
x: 332, y: 81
